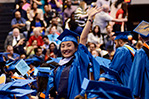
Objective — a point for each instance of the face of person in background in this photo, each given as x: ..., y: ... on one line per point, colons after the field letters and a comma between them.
x: 34, y: 6
x: 53, y: 30
x: 46, y: 8
x: 95, y: 53
x: 92, y: 47
x: 46, y: 41
x: 39, y: 52
x: 36, y: 32
x: 117, y: 43
x: 109, y: 28
x: 17, y: 15
x: 34, y: 43
x: 9, y: 50
x: 68, y: 49
x: 96, y: 29
x: 54, y: 21
x: 68, y: 3
x: 16, y: 32
x: 52, y: 47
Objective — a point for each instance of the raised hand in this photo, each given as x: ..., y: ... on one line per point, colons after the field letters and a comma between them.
x: 94, y: 11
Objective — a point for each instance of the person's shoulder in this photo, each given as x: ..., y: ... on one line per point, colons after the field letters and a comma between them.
x: 122, y: 49
x: 23, y: 19
x: 120, y: 10
x: 140, y: 51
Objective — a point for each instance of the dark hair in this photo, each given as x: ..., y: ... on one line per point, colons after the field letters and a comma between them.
x: 98, y: 31
x: 125, y: 40
x: 35, y: 16
x: 73, y: 25
x: 124, y: 8
x: 53, y: 26
x: 45, y: 37
x: 36, y: 49
x: 93, y: 44
x: 118, y: 2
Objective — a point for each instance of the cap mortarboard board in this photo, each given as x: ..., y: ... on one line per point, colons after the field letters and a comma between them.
x: 44, y: 71
x: 32, y: 60
x: 54, y: 62
x: 22, y: 92
x: 22, y: 82
x: 103, y: 61
x: 123, y: 35
x: 142, y: 29
x: 69, y: 35
x: 110, y: 74
x: 22, y: 67
x: 115, y: 91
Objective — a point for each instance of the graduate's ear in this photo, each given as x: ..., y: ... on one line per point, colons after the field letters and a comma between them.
x: 121, y: 42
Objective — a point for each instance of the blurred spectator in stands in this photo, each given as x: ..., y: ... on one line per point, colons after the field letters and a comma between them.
x: 18, y: 22
x: 55, y: 4
x: 30, y: 49
x: 72, y: 25
x: 36, y: 36
x: 49, y: 14
x: 13, y: 38
x: 109, y: 29
x: 110, y: 43
x: 103, y: 18
x: 26, y: 5
x: 51, y: 51
x: 19, y: 8
x: 33, y: 12
x: 38, y: 23
x: 54, y: 22
x: 121, y: 13
x: 19, y: 48
x: 53, y: 34
x: 76, y: 2
x: 40, y: 4
x: 69, y: 10
x: 95, y: 53
x: 81, y: 14
x: 23, y: 56
x: 92, y: 47
x: 38, y: 53
x: 100, y: 3
x: 115, y: 6
x: 11, y: 56
x: 46, y: 44
x: 95, y: 37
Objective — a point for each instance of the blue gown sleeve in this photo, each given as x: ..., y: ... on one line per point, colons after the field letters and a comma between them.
x: 91, y: 60
x: 136, y: 74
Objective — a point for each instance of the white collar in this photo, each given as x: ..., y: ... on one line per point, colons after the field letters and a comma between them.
x: 65, y: 60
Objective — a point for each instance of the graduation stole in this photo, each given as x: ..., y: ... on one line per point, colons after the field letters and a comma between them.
x: 146, y: 49
x: 132, y: 51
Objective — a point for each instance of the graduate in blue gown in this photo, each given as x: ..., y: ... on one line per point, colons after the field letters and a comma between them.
x: 123, y: 57
x: 75, y: 64
x: 139, y: 75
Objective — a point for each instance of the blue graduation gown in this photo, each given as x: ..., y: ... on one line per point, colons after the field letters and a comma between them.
x: 78, y: 71
x: 139, y: 75
x: 122, y: 62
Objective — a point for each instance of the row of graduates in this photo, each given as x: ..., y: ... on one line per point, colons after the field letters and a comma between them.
x: 65, y: 80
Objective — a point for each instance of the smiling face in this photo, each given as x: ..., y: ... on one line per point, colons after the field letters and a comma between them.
x: 68, y: 49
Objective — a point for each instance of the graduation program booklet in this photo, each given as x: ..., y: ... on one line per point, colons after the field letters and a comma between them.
x: 22, y: 67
